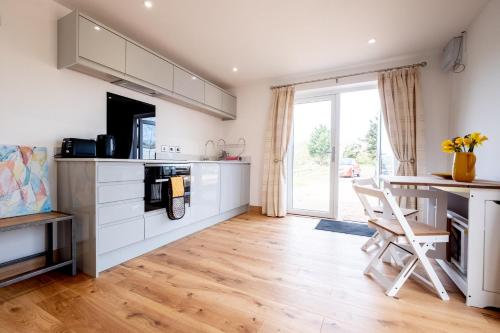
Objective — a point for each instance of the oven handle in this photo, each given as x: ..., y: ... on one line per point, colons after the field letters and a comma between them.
x: 164, y: 180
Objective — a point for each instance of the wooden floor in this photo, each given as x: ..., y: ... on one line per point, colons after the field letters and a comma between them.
x: 249, y: 274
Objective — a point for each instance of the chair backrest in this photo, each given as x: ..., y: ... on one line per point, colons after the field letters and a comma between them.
x: 387, y: 200
x: 364, y: 188
x: 398, y: 213
x: 365, y: 182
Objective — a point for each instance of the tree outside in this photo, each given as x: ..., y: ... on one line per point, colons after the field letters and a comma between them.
x: 371, y: 139
x: 364, y: 150
x: 319, y: 144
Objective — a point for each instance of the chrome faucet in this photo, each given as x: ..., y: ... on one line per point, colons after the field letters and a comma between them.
x: 205, y: 156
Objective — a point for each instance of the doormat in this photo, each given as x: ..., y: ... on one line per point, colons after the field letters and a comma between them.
x: 351, y: 228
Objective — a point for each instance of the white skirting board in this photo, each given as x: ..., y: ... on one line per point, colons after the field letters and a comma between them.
x: 110, y: 259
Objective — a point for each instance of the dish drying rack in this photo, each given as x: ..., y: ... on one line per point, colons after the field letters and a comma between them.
x: 231, y: 151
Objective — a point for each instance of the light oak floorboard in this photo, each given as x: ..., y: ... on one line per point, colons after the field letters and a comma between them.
x: 249, y: 274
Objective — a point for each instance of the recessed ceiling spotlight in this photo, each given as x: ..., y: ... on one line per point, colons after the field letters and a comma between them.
x: 193, y: 77
x: 96, y: 27
x: 148, y: 4
x: 372, y: 41
x: 235, y: 69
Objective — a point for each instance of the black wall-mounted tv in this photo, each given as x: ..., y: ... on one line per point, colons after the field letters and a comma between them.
x: 133, y: 125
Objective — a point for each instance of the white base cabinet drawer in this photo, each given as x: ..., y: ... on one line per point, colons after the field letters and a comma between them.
x: 160, y: 223
x: 119, y: 211
x: 115, y: 236
x: 112, y: 172
x: 119, y: 192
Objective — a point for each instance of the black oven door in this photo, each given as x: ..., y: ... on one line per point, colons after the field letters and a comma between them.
x: 156, y: 181
x: 156, y: 194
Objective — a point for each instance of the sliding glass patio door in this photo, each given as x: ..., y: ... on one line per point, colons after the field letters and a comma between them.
x: 336, y: 137
x: 312, y: 156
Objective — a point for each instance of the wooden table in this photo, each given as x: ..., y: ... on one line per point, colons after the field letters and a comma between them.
x: 27, y: 221
x: 481, y: 283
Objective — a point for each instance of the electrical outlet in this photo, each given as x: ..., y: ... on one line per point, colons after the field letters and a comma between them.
x: 164, y: 149
x: 178, y: 149
x: 171, y: 149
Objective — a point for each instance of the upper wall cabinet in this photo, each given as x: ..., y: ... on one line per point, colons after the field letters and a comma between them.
x: 89, y: 47
x: 146, y: 66
x: 213, y: 96
x: 229, y: 104
x: 188, y: 85
x: 100, y: 45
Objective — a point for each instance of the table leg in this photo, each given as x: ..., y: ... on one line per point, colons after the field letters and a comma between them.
x: 387, y: 214
x: 440, y: 222
x: 73, y: 247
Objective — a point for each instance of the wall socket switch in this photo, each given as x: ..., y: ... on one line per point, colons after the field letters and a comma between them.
x: 164, y: 149
x: 178, y: 149
x: 171, y: 149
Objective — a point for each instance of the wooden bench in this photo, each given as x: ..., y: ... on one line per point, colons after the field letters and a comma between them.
x: 28, y: 221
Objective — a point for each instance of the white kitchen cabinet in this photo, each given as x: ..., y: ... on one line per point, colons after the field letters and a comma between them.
x: 115, y: 236
x: 234, y: 186
x: 100, y: 45
x: 157, y: 223
x: 189, y: 85
x: 205, y: 190
x: 213, y: 96
x: 229, y: 104
x: 492, y: 247
x: 148, y: 67
x: 107, y: 200
x: 119, y: 172
x: 122, y: 210
x: 245, y: 184
x: 119, y: 191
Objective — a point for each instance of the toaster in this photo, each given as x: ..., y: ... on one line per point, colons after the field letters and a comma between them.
x: 73, y: 147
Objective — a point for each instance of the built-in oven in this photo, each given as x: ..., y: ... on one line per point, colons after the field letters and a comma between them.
x: 458, y: 242
x: 156, y: 181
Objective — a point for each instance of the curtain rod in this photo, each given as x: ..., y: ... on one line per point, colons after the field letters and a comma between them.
x: 420, y: 64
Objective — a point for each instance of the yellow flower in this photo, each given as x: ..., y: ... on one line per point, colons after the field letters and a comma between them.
x: 447, y: 146
x: 467, y: 141
x: 459, y: 141
x: 481, y: 139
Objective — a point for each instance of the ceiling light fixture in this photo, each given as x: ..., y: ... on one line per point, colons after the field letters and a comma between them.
x: 148, y: 4
x: 193, y: 77
x: 372, y: 41
x: 235, y: 69
x: 97, y: 28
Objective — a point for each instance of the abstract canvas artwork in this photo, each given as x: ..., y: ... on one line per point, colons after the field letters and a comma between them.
x: 24, y: 183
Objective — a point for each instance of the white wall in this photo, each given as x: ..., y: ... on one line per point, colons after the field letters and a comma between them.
x: 254, y: 102
x: 476, y: 91
x: 40, y: 105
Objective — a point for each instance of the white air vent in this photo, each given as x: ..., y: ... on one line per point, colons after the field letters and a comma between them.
x: 452, y: 55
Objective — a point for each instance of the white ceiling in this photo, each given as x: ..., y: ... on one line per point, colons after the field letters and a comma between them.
x: 272, y: 38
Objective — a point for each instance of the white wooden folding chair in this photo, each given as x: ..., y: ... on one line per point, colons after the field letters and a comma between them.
x: 374, y: 212
x: 412, y: 238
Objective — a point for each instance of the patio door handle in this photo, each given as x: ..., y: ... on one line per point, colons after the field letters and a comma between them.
x: 332, y: 154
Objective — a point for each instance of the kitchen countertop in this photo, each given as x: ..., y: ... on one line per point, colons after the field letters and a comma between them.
x: 59, y: 159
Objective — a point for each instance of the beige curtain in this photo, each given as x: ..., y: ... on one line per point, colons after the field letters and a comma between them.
x: 276, y: 145
x: 400, y: 97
